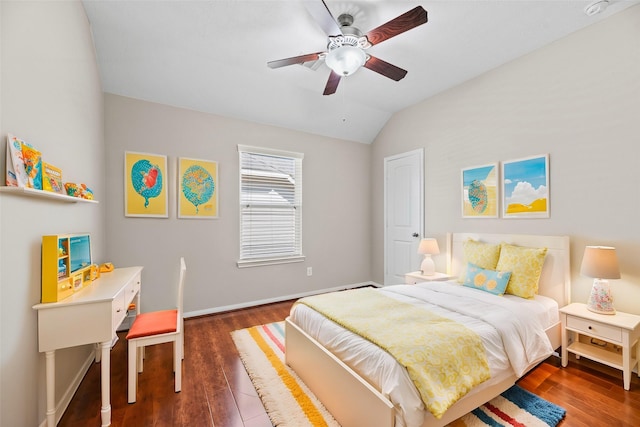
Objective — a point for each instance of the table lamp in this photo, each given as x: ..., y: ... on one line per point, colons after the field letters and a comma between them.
x: 601, y: 263
x: 428, y: 247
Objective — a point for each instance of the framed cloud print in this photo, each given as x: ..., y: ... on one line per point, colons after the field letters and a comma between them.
x: 525, y: 187
x: 145, y: 185
x: 198, y: 188
x: 480, y: 191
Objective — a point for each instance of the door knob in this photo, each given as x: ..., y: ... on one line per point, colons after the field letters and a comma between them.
x: 415, y: 235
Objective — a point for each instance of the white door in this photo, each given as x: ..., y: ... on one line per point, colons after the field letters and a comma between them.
x: 404, y: 214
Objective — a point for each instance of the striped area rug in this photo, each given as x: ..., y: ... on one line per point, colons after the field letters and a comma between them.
x: 515, y: 407
x: 287, y: 400
x: 289, y: 403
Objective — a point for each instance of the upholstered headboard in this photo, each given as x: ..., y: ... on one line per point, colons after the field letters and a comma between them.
x: 555, y: 280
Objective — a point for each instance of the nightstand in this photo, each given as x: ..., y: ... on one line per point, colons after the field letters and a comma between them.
x: 608, y: 339
x: 417, y: 277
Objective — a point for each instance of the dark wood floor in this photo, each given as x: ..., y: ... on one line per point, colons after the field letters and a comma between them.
x: 216, y: 390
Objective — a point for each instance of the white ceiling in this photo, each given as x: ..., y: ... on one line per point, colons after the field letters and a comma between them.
x: 212, y: 55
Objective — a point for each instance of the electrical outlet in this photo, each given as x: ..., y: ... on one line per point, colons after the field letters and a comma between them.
x: 309, y: 271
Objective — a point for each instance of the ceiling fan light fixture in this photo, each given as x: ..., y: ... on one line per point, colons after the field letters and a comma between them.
x: 346, y: 60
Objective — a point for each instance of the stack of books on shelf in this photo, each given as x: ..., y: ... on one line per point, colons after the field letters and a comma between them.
x: 25, y: 168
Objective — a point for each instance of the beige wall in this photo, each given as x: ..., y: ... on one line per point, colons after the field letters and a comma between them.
x: 51, y: 97
x: 335, y: 219
x: 577, y: 99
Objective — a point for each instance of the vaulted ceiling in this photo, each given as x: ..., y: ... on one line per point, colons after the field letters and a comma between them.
x: 211, y: 55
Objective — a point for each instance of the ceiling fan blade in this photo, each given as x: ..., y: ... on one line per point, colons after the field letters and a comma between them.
x: 384, y: 68
x: 294, y: 60
x: 411, y: 19
x: 332, y: 83
x: 320, y: 12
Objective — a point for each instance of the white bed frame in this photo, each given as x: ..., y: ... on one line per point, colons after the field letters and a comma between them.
x: 355, y: 403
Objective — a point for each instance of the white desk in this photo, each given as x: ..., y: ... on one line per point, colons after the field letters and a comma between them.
x: 89, y: 316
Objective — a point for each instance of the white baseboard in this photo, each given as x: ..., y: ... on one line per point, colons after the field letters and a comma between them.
x: 65, y: 399
x: 276, y: 299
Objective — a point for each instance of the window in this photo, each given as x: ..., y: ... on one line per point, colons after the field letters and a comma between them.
x: 270, y: 206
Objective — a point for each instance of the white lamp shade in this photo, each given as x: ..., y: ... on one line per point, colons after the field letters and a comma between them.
x: 428, y: 246
x: 346, y: 60
x: 600, y: 262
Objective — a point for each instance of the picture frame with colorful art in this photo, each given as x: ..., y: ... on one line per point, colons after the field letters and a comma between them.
x: 480, y: 191
x: 525, y: 187
x: 145, y: 185
x: 197, y: 188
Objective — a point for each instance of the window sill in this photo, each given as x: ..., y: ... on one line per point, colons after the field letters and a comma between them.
x: 269, y: 261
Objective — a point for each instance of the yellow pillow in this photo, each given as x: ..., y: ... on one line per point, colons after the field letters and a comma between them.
x: 484, y: 255
x: 525, y: 265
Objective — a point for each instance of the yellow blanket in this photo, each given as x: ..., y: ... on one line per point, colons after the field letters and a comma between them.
x: 444, y: 358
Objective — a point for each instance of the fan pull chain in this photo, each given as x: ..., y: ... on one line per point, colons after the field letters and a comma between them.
x: 343, y: 100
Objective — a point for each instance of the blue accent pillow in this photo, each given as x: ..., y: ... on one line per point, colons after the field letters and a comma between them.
x: 491, y: 281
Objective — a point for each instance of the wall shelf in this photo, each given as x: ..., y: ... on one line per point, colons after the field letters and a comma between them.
x: 31, y: 192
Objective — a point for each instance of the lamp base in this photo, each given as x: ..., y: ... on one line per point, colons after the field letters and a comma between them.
x: 595, y: 310
x: 428, y: 267
x: 600, y: 300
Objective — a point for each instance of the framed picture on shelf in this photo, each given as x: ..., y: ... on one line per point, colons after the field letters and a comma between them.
x: 480, y: 191
x: 197, y: 188
x: 145, y: 185
x: 525, y: 187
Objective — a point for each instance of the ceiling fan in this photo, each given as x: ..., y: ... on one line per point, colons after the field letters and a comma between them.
x: 346, y: 45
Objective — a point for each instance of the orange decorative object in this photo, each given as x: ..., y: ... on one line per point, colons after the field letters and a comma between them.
x: 78, y: 190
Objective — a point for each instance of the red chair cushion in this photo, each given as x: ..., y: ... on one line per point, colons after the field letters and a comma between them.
x: 154, y: 323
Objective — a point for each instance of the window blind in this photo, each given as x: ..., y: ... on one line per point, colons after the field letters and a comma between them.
x: 270, y: 205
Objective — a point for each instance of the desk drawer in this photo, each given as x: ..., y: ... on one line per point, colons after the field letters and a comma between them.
x: 130, y: 291
x: 119, y: 308
x: 594, y: 329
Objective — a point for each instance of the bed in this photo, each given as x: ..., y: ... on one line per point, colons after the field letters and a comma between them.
x: 356, y: 397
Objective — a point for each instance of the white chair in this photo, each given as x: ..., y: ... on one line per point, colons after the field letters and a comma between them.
x: 157, y: 327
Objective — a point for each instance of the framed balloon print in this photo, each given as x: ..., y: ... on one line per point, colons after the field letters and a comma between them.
x: 145, y: 185
x: 197, y: 188
x: 480, y: 191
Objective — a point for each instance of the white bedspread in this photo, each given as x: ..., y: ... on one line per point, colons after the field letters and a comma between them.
x: 516, y: 322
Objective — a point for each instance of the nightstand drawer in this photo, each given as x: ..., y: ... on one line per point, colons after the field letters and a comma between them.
x: 594, y: 329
